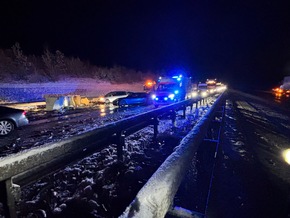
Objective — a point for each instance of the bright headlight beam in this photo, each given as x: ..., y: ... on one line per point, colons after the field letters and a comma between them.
x: 286, y: 155
x: 171, y: 96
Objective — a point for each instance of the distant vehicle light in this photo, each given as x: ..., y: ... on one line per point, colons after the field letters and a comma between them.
x: 176, y: 92
x: 286, y: 156
x: 278, y: 90
x: 194, y: 94
x: 204, y: 94
x: 101, y: 99
x: 153, y: 96
x: 165, y: 98
x: 171, y: 96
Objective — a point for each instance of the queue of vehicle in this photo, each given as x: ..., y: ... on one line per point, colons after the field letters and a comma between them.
x: 165, y: 91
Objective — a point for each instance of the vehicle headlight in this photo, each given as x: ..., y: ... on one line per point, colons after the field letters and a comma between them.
x: 204, y: 94
x: 286, y: 156
x: 153, y: 96
x: 101, y: 99
x: 193, y: 94
x: 171, y: 96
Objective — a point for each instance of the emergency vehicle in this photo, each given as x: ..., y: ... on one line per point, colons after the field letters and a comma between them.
x: 171, y: 89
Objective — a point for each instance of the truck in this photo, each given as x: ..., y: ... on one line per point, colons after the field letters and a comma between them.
x: 171, y: 89
x: 284, y: 89
x: 202, y: 90
x: 286, y: 83
x: 211, y: 85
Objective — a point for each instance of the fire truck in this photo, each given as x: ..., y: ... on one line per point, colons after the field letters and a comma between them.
x: 171, y: 89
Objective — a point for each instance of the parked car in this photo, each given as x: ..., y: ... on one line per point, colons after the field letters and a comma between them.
x: 10, y: 119
x: 111, y: 96
x: 134, y: 98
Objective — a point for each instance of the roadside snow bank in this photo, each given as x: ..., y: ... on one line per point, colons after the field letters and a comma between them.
x: 27, y: 92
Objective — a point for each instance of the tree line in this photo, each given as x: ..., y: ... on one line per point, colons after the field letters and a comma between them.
x: 15, y: 65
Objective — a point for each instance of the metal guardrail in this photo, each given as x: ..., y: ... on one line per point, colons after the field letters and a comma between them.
x: 156, y: 196
x: 29, y: 165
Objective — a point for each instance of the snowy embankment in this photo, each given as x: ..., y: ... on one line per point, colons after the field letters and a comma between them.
x: 29, y: 92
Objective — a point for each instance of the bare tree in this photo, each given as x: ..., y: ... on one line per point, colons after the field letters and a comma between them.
x: 60, y: 60
x: 49, y: 62
x: 21, y: 61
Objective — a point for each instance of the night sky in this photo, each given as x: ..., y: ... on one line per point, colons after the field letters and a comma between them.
x: 241, y: 42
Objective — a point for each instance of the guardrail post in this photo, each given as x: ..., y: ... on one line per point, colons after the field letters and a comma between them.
x: 120, y: 141
x: 191, y: 105
x: 10, y: 193
x: 155, y: 127
x: 173, y: 117
x: 3, y: 198
x: 184, y: 110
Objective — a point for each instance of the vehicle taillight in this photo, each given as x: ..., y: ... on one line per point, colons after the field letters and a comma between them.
x: 24, y: 113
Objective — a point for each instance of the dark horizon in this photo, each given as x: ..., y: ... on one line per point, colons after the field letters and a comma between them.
x: 244, y: 43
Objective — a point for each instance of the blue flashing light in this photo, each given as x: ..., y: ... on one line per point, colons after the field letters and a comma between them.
x: 171, y: 96
x: 178, y: 78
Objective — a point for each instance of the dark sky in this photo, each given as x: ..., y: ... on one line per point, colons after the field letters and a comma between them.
x: 239, y: 41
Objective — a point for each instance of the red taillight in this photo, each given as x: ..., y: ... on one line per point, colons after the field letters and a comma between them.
x: 24, y: 113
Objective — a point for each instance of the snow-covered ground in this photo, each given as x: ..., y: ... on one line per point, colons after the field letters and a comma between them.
x: 98, y: 183
x: 99, y: 186
x: 251, y: 171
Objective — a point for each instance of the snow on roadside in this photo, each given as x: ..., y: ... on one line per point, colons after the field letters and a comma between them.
x: 27, y: 92
x: 98, y: 183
